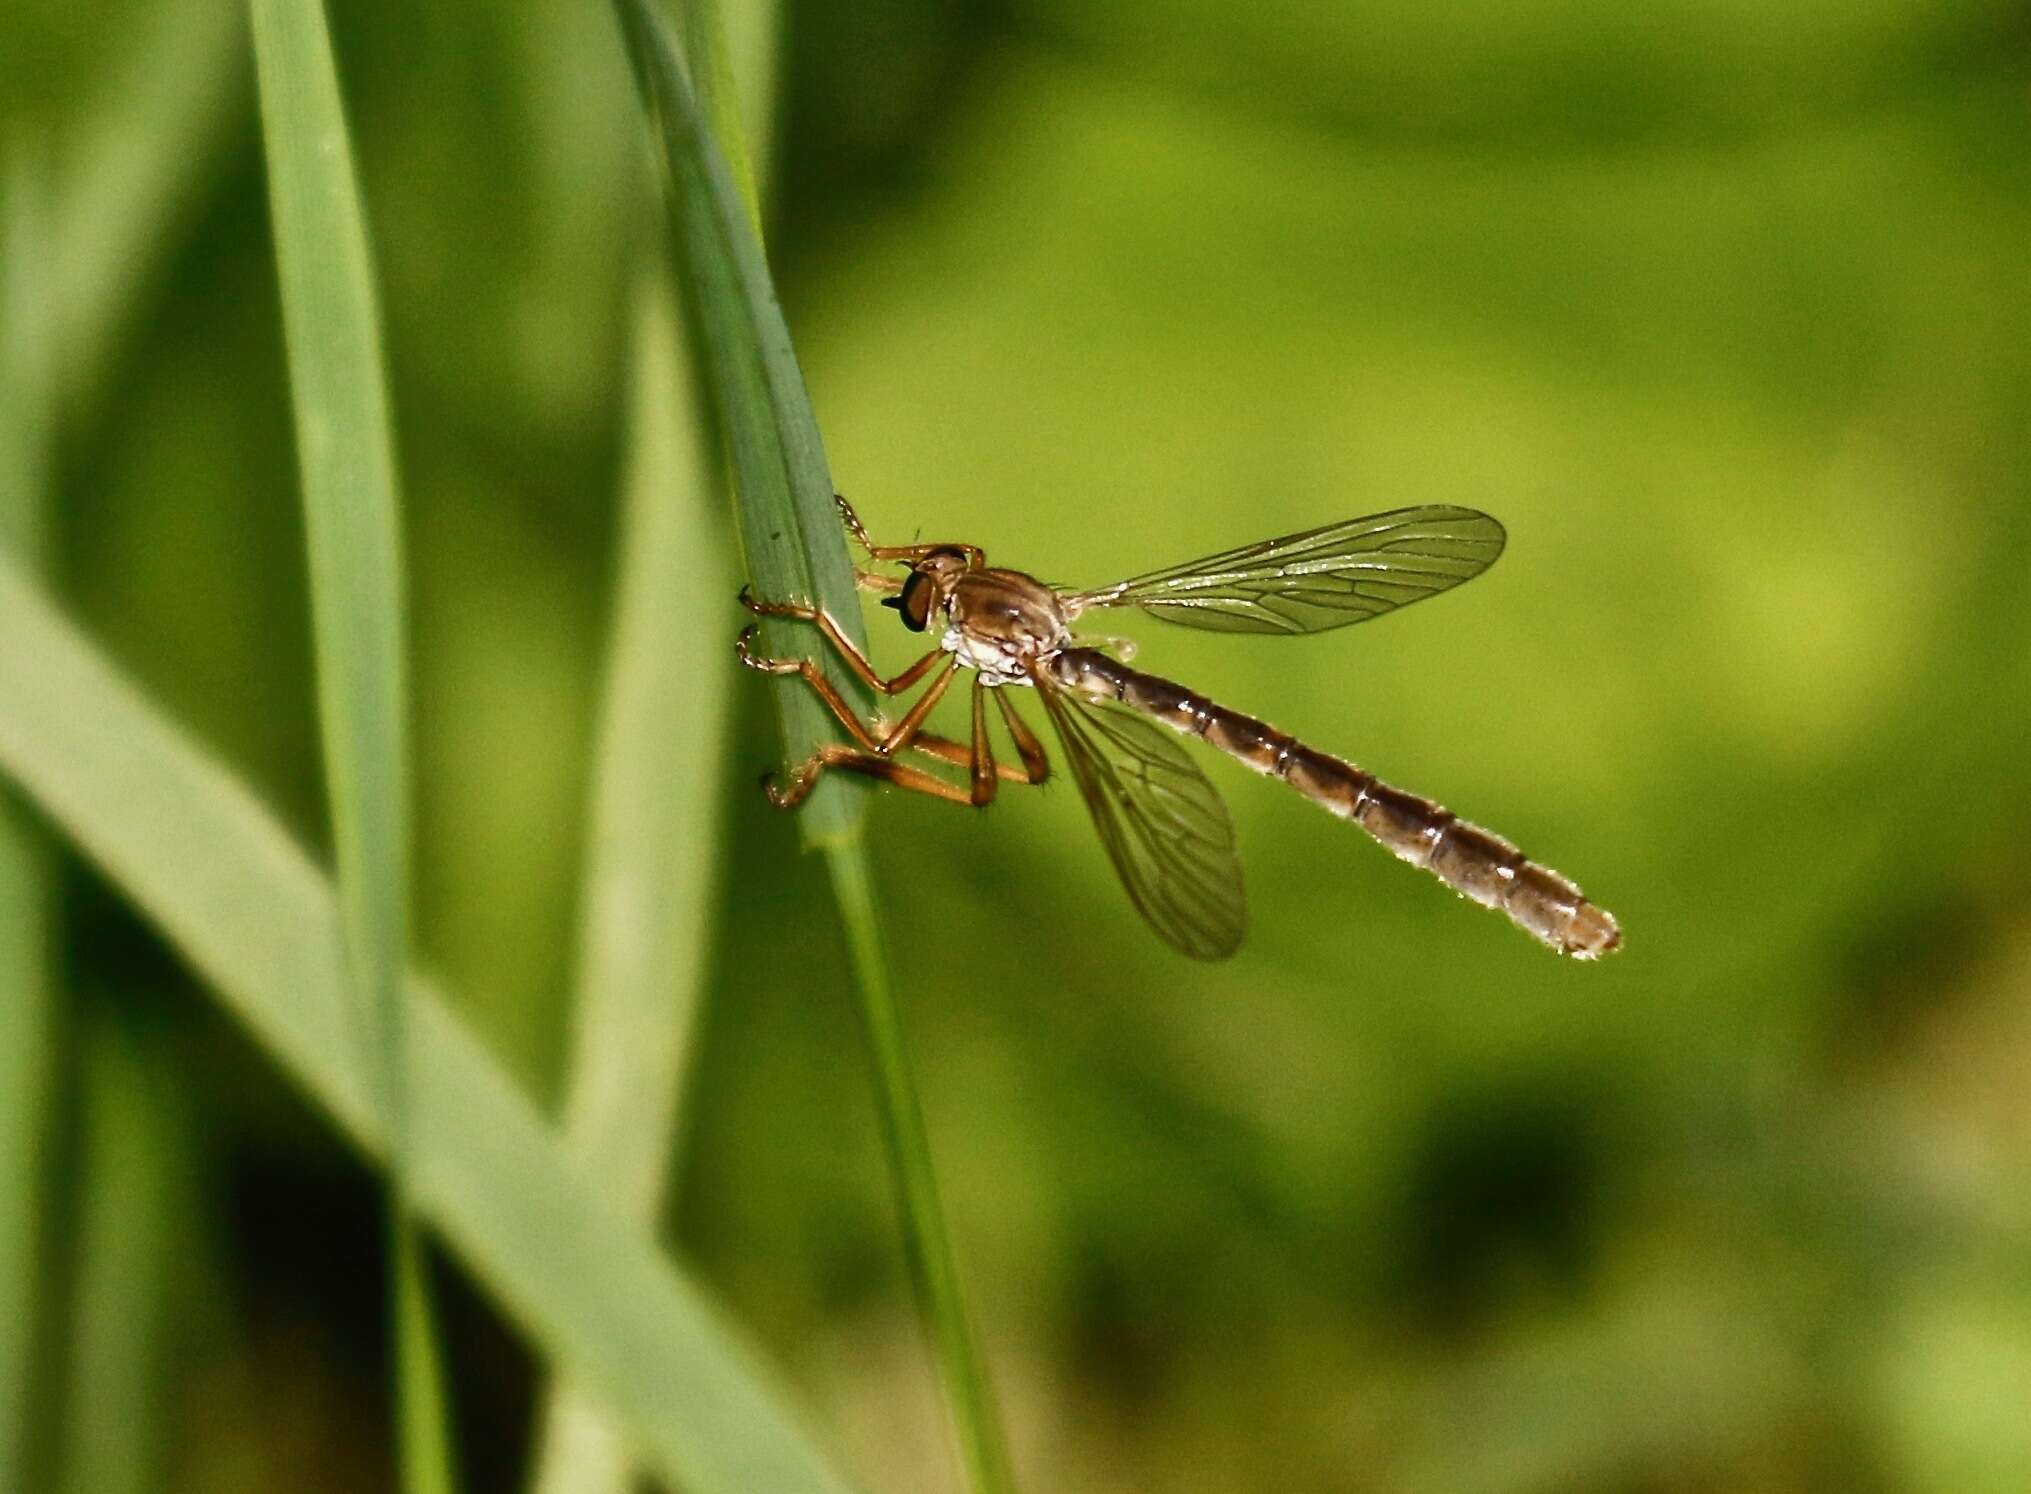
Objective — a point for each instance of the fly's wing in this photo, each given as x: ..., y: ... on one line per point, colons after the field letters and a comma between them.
x: 1324, y: 578
x: 1164, y: 826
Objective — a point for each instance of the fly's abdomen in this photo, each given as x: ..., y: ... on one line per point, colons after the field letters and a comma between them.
x: 1476, y: 863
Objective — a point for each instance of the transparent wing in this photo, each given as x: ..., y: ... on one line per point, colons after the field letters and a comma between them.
x: 1324, y: 578
x: 1164, y: 826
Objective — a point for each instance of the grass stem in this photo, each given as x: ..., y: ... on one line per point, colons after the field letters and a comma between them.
x: 933, y: 1271
x: 795, y: 549
x: 345, y: 450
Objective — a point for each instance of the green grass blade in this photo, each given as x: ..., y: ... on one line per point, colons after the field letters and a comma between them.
x: 790, y: 534
x: 655, y: 826
x: 216, y: 874
x: 153, y: 137
x: 932, y: 1268
x: 346, y: 456
x: 429, y: 1464
x: 712, y: 65
x: 655, y: 818
x: 122, y: 1256
x: 27, y: 894
x: 795, y: 548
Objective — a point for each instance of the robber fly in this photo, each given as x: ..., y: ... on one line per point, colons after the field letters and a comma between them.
x: 1164, y: 825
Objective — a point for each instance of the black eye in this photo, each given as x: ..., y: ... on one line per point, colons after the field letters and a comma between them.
x: 915, y: 602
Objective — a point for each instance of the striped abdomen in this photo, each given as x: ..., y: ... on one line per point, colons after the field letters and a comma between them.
x: 1472, y: 861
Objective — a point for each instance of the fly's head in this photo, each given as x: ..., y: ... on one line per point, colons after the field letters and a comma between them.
x: 927, y: 590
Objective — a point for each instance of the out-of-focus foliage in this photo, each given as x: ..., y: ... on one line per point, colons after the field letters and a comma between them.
x: 1721, y: 309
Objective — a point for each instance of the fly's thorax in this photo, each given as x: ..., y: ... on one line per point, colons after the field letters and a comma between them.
x: 999, y: 622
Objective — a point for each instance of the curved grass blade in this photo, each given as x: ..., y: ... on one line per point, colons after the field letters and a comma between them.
x: 641, y: 976
x: 795, y: 549
x: 705, y: 44
x: 649, y: 886
x: 346, y: 455
x: 926, y: 1242
x: 153, y: 139
x: 27, y: 891
x: 131, y: 1232
x: 227, y: 886
x: 649, y: 880
x: 790, y: 535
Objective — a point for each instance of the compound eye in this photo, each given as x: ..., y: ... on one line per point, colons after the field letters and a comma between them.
x: 915, y: 602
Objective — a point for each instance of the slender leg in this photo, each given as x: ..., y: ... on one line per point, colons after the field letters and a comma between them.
x: 871, y: 756
x: 960, y: 754
x: 905, y: 730
x: 825, y: 690
x: 875, y: 756
x: 815, y: 678
x: 838, y: 755
x: 975, y: 557
x: 876, y: 759
x: 1036, y: 765
x: 852, y: 657
x: 852, y: 521
x: 984, y: 781
x: 985, y: 773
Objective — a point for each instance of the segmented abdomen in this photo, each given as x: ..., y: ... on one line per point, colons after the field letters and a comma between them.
x: 1476, y: 863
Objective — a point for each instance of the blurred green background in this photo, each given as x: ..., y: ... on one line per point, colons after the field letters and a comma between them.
x: 1724, y: 310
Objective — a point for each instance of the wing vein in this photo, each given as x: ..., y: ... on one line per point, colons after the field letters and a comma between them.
x: 1161, y: 822
x: 1321, y: 578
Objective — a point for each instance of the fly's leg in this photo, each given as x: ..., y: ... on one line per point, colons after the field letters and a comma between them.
x: 790, y: 794
x: 960, y: 755
x: 852, y: 521
x: 871, y: 754
x: 852, y: 657
x: 897, y: 736
x: 876, y: 760
x: 984, y: 781
x: 975, y: 557
x: 978, y: 759
x: 874, y: 765
x: 1036, y: 766
x: 866, y: 580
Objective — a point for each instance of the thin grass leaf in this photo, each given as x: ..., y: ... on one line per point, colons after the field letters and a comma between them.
x: 346, y: 456
x: 70, y: 268
x: 796, y: 549
x: 27, y: 891
x: 228, y: 888
x: 655, y: 815
x: 122, y: 1254
x: 790, y: 535
x: 645, y: 934
x: 705, y: 43
x: 925, y: 1239
x: 154, y: 137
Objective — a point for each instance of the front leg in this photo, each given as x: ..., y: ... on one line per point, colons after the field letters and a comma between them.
x: 875, y: 758
x: 839, y: 755
x: 852, y: 657
x: 975, y: 556
x: 876, y: 761
x: 826, y: 691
